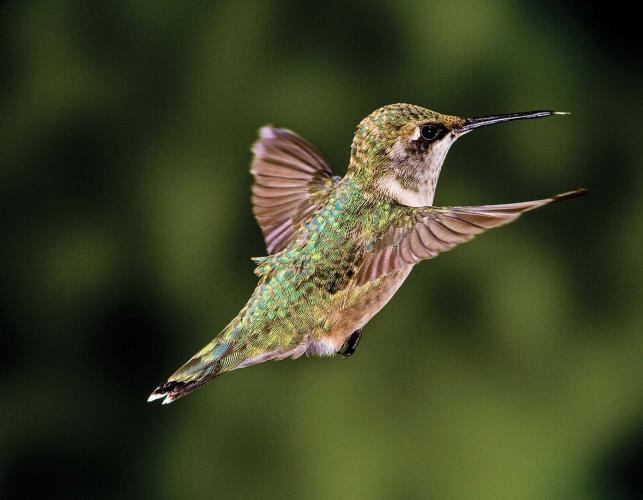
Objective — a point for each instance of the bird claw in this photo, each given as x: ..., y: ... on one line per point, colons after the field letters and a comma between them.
x: 350, y: 345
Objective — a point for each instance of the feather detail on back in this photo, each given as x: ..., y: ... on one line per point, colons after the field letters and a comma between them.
x: 291, y: 180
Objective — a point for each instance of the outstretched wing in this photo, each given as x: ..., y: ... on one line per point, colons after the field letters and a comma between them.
x: 424, y: 232
x: 292, y: 179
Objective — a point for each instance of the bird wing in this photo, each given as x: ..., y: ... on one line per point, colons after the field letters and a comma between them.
x: 424, y: 232
x: 291, y: 180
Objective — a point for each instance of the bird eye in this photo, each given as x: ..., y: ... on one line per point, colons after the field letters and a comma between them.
x: 430, y: 132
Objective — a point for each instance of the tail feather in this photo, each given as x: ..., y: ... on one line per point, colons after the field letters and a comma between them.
x: 204, y: 366
x: 175, y: 389
x: 233, y: 348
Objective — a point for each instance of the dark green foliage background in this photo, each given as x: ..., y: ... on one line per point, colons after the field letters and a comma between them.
x: 510, y: 368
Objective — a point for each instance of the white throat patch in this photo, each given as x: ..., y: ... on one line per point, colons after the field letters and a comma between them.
x: 423, y: 171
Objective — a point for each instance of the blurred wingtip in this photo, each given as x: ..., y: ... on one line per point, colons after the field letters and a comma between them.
x: 576, y: 193
x: 268, y: 131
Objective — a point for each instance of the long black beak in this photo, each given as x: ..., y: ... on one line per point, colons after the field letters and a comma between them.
x: 483, y: 121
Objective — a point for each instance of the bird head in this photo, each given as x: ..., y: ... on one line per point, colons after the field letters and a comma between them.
x: 400, y: 148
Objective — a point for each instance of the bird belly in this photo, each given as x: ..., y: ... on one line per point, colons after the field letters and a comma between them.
x: 351, y: 310
x: 356, y: 308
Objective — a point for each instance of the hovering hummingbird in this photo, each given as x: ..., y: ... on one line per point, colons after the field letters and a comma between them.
x: 339, y: 248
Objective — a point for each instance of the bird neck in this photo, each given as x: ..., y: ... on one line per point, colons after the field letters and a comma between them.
x: 407, y: 181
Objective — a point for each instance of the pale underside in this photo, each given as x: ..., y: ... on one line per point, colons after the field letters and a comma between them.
x: 343, y: 322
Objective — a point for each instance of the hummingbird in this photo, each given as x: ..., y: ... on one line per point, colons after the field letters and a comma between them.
x: 339, y: 248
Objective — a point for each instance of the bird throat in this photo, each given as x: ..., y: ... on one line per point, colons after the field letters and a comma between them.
x: 411, y: 179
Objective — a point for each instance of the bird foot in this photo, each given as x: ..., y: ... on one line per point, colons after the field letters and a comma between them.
x: 350, y: 345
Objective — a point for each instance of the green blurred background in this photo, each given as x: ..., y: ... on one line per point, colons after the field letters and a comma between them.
x: 510, y: 368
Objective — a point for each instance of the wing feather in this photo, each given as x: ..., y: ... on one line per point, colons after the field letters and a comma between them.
x: 425, y: 232
x: 291, y: 180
